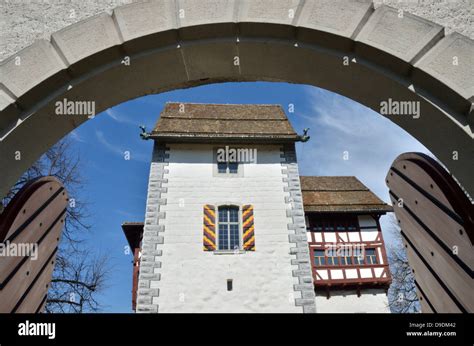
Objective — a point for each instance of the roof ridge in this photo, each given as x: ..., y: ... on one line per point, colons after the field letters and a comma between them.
x: 226, y: 133
x: 226, y: 104
x: 215, y: 118
x: 336, y: 190
x: 328, y: 176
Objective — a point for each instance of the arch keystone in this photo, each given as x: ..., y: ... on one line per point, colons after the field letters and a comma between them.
x: 333, y: 23
x: 206, y: 19
x: 146, y: 25
x: 257, y: 16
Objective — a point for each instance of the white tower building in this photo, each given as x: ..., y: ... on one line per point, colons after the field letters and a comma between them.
x: 225, y: 227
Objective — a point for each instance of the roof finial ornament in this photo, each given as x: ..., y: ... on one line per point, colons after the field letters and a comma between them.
x: 144, y: 135
x: 305, y: 137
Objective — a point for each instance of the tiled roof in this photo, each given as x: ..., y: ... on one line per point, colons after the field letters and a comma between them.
x: 192, y: 121
x: 339, y: 194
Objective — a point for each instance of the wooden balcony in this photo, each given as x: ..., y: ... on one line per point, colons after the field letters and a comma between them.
x: 351, y: 275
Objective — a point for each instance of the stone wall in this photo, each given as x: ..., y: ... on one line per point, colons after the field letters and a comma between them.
x: 24, y: 21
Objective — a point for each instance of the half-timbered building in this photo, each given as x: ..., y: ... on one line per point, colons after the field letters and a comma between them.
x: 348, y: 257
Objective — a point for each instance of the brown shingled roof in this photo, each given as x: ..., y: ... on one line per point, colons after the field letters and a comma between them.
x: 340, y: 194
x: 223, y: 121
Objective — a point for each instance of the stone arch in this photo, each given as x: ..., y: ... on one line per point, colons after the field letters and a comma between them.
x: 347, y: 47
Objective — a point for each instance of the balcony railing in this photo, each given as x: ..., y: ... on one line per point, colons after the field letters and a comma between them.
x: 342, y: 275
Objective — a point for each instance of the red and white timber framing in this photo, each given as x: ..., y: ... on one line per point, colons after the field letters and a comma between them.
x: 350, y: 232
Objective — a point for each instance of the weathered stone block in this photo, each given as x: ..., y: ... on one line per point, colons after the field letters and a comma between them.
x: 308, y: 294
x: 339, y: 17
x: 153, y: 239
x: 447, y: 71
x: 303, y: 301
x: 144, y: 300
x: 309, y: 309
x: 143, y: 283
x: 146, y: 18
x: 306, y: 280
x: 147, y: 258
x: 153, y: 277
x: 303, y: 287
x: 299, y: 261
x: 148, y: 233
x: 29, y: 67
x: 396, y: 40
x: 299, y: 250
x: 294, y: 238
x: 301, y: 272
x: 155, y: 292
x: 258, y: 18
x: 146, y: 269
x: 144, y: 308
x: 216, y: 18
x: 87, y: 37
x: 155, y: 228
x: 261, y: 11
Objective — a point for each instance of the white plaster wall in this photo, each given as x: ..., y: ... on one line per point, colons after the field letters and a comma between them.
x: 370, y: 301
x: 367, y: 221
x: 193, y: 280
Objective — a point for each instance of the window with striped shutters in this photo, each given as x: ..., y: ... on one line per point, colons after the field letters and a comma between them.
x: 248, y: 235
x: 209, y: 228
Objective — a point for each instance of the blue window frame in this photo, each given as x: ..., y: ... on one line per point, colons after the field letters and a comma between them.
x: 319, y: 258
x: 371, y: 256
x: 358, y: 257
x: 228, y: 226
x: 332, y: 257
x: 228, y: 167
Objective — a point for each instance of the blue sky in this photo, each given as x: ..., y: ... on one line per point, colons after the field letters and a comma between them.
x: 116, y: 188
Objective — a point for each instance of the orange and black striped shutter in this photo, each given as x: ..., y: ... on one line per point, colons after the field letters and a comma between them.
x: 248, y: 228
x: 209, y: 228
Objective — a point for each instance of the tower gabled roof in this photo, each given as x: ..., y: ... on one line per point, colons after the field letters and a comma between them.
x: 344, y: 194
x: 181, y: 122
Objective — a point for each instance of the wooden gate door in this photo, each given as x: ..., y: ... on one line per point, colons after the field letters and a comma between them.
x: 30, y: 229
x: 436, y: 219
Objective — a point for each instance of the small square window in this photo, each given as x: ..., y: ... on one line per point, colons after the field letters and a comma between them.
x: 233, y: 167
x: 222, y: 167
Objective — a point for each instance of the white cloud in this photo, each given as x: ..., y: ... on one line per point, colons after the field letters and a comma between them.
x: 75, y: 136
x: 120, y: 118
x: 373, y: 142
x: 341, y: 125
x: 134, y: 156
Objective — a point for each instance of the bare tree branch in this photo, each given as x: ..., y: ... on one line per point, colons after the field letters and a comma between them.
x: 78, y: 276
x: 402, y: 293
